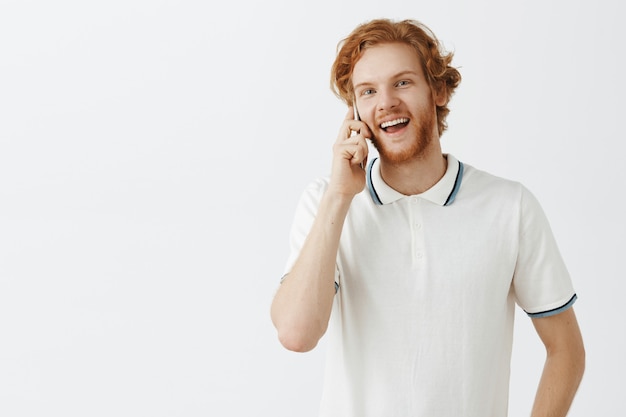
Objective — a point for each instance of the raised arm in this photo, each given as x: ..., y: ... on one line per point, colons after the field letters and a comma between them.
x: 564, y: 366
x: 302, y: 305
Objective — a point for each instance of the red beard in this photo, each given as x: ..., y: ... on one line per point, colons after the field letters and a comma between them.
x: 415, y: 150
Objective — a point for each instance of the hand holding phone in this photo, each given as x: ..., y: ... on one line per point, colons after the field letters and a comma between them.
x: 357, y: 117
x: 350, y: 156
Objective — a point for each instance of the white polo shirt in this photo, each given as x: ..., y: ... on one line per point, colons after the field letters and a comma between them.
x: 422, y: 320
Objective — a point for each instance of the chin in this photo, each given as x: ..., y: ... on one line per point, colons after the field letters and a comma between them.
x: 398, y: 155
x: 411, y: 150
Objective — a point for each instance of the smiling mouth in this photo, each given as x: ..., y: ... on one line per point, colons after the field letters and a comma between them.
x: 394, y: 125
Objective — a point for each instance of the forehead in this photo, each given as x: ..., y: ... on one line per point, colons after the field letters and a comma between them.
x: 381, y: 62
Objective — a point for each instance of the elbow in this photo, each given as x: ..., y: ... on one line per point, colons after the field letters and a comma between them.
x: 297, y: 335
x: 299, y: 329
x: 297, y: 340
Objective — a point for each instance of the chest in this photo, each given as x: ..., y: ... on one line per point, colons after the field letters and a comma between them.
x: 414, y: 250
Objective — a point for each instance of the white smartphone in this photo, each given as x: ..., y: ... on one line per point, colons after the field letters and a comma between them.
x: 356, y: 117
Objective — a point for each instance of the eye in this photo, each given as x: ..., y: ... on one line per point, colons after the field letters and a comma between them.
x: 403, y: 83
x: 367, y: 92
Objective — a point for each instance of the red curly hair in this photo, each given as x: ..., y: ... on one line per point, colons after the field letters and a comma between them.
x: 435, y: 61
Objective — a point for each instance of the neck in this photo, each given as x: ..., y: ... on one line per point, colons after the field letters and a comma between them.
x: 416, y: 175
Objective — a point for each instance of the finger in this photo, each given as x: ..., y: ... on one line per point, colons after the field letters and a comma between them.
x: 350, y: 114
x: 360, y: 156
x: 355, y: 151
x: 352, y: 128
x: 350, y: 119
x: 358, y: 139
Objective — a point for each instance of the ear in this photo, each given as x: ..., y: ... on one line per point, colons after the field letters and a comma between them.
x: 440, y: 95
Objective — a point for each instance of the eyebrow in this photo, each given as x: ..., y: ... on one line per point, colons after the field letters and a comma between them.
x: 398, y: 75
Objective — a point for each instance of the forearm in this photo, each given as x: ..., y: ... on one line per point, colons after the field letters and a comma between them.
x: 559, y: 382
x: 302, y: 305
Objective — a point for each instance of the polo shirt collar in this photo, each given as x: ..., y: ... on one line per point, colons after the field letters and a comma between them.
x: 442, y: 193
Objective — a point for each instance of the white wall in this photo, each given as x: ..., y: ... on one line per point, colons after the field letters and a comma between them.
x: 152, y: 153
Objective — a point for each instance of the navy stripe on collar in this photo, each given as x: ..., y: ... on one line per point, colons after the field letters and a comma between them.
x: 457, y: 185
x: 370, y: 186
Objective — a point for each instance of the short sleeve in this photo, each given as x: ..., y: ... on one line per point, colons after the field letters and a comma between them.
x: 541, y: 281
x: 304, y: 216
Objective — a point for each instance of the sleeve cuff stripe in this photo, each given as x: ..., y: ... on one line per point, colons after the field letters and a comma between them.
x: 554, y: 310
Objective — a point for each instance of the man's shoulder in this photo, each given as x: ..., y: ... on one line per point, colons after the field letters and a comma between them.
x: 476, y: 178
x: 481, y: 187
x: 316, y: 187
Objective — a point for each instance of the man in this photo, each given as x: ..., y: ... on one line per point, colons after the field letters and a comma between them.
x: 413, y: 262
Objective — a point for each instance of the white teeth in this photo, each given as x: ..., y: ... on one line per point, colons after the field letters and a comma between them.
x: 394, y: 122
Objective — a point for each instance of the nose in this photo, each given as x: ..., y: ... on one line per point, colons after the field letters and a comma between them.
x: 387, y: 100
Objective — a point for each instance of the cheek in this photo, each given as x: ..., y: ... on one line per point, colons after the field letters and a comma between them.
x: 373, y: 127
x: 366, y: 113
